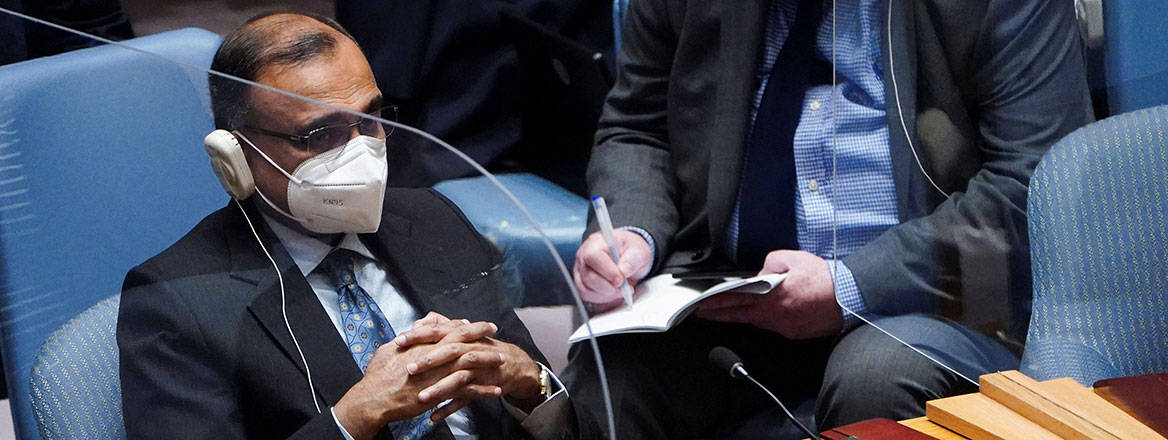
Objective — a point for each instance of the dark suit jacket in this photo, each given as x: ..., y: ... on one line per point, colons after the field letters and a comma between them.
x: 205, y: 352
x: 452, y: 68
x: 988, y: 86
x: 25, y: 40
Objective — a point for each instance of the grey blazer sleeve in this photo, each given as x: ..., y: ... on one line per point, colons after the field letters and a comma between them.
x: 1028, y: 91
x: 631, y: 163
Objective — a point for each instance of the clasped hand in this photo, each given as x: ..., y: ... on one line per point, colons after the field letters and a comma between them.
x: 439, y: 359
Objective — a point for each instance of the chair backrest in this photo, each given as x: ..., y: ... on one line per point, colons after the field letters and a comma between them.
x: 76, y: 392
x: 1098, y: 212
x: 619, y: 8
x: 101, y: 166
x: 1134, y: 56
x: 535, y: 278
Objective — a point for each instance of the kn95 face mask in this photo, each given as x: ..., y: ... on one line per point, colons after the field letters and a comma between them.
x: 338, y: 191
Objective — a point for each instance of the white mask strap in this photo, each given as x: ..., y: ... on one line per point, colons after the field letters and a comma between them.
x: 277, y: 208
x: 294, y: 179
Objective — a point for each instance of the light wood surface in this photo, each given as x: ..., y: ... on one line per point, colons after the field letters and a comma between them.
x: 979, y: 417
x: 1013, y: 406
x: 927, y: 427
x: 1021, y: 394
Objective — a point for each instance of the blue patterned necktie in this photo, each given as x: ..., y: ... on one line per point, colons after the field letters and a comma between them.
x: 366, y: 329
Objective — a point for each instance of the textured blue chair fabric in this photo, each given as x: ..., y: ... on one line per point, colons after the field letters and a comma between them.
x: 560, y: 214
x: 1135, y: 54
x: 619, y: 7
x: 101, y: 166
x: 76, y: 392
x: 1098, y: 212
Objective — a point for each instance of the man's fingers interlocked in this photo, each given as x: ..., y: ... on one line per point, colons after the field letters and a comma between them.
x: 459, y: 384
x: 430, y: 332
x: 467, y: 355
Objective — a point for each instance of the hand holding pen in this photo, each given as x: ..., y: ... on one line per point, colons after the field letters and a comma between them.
x: 605, y: 222
x: 597, y: 275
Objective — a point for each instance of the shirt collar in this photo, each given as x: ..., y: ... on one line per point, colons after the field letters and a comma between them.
x: 307, y: 252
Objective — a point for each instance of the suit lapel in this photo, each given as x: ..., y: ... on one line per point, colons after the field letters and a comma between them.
x: 742, y: 29
x: 332, y: 366
x: 428, y: 274
x: 417, y: 267
x: 911, y: 190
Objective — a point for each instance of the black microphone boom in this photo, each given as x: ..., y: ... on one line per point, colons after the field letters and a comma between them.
x: 728, y: 361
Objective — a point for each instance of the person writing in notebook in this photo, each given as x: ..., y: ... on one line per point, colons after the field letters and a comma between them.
x: 876, y: 151
x: 384, y: 316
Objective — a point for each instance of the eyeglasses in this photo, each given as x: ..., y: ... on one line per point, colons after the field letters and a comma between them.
x: 328, y: 137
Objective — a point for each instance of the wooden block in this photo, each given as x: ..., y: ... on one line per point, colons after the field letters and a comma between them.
x: 1021, y: 394
x: 1082, y: 401
x: 979, y: 417
x: 927, y: 427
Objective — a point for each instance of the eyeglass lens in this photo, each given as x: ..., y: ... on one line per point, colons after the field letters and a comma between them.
x: 333, y: 136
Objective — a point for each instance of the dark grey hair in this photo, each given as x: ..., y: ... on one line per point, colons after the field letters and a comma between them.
x: 249, y: 49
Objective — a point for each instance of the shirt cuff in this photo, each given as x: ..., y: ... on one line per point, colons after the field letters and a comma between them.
x: 847, y: 294
x: 648, y: 239
x: 339, y: 427
x: 550, y: 419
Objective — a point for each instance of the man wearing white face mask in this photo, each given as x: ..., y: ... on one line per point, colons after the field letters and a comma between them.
x: 339, y: 190
x: 320, y: 304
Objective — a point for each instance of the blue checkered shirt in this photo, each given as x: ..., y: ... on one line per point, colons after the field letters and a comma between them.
x: 861, y: 191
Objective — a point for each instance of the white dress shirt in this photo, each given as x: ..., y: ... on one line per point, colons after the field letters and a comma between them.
x: 308, y: 252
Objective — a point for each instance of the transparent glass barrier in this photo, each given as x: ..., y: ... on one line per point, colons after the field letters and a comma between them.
x: 970, y: 242
x: 115, y: 159
x: 926, y: 244
x: 103, y: 165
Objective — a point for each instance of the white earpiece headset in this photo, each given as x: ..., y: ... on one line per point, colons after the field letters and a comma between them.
x: 230, y: 166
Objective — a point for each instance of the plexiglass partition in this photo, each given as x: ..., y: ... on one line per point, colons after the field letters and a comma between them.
x: 961, y: 234
x: 226, y: 196
x: 953, y: 203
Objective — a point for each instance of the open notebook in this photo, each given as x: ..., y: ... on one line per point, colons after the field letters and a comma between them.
x: 661, y: 302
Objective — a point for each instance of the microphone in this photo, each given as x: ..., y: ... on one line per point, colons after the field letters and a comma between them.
x: 728, y: 361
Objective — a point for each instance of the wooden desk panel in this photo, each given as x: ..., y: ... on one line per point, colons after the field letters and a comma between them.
x: 927, y: 427
x: 979, y: 417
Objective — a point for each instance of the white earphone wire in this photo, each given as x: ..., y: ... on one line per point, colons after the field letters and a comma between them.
x: 542, y: 235
x: 283, y: 305
x: 835, y: 227
x: 899, y: 110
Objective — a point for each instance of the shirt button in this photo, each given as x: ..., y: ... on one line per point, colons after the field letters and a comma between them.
x: 813, y: 185
x: 815, y: 105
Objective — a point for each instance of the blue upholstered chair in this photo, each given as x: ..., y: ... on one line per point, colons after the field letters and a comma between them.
x: 1127, y: 65
x: 560, y: 214
x: 1099, y: 243
x: 76, y: 393
x: 1135, y: 59
x: 619, y: 7
x: 101, y: 166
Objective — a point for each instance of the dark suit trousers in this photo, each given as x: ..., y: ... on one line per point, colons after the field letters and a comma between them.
x: 663, y: 387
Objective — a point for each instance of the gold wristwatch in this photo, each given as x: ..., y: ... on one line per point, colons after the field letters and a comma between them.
x: 544, y: 382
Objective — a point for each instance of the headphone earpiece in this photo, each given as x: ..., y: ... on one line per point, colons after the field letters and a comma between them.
x: 229, y: 164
